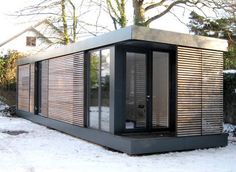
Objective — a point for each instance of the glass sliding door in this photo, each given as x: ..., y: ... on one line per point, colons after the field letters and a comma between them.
x: 94, y: 90
x: 160, y: 90
x: 147, y: 91
x: 99, y: 90
x: 105, y: 89
x: 135, y: 90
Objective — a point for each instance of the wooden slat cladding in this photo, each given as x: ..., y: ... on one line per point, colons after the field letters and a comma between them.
x: 189, y: 79
x: 44, y: 88
x: 66, y: 89
x: 200, y: 92
x: 78, y: 89
x: 32, y: 79
x: 23, y: 87
x: 212, y: 92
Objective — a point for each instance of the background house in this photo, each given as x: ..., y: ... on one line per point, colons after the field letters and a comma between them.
x: 33, y: 39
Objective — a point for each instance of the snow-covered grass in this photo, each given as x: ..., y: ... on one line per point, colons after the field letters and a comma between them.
x: 230, y: 71
x: 46, y: 150
x: 3, y: 107
x: 231, y: 130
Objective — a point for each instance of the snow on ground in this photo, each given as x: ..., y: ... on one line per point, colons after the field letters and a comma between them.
x: 46, y: 150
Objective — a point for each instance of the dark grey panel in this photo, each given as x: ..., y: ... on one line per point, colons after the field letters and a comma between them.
x: 132, y: 33
x: 167, y: 37
x: 167, y: 144
x: 119, y: 90
x: 91, y: 43
x: 131, y: 145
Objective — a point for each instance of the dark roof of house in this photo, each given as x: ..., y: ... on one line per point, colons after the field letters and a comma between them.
x: 135, y: 33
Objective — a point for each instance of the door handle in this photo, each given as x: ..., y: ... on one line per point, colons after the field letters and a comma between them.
x: 148, y: 97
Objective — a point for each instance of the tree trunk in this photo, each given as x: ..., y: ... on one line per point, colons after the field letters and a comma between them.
x: 74, y: 21
x: 123, y: 20
x: 65, y: 27
x: 139, y: 13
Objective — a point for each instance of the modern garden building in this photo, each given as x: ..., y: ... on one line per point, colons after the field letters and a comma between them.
x: 135, y: 90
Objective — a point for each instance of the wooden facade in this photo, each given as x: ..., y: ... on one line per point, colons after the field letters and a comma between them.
x: 200, y: 92
x: 24, y: 87
x: 44, y: 89
x: 57, y: 87
x: 212, y: 92
x: 61, y: 87
x: 65, y: 89
x: 32, y: 87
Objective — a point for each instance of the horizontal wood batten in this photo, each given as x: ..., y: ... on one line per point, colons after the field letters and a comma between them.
x: 200, y: 92
x: 66, y: 89
x: 189, y: 88
x: 44, y: 88
x: 32, y: 76
x: 24, y: 88
x: 212, y: 90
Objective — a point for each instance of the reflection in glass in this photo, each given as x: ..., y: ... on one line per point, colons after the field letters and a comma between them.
x: 135, y: 90
x: 160, y: 97
x: 99, y: 91
x: 105, y: 89
x: 94, y: 88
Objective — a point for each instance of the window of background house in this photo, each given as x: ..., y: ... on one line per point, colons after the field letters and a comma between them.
x: 31, y: 41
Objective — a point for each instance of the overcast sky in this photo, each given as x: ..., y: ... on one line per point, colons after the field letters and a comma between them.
x: 11, y: 25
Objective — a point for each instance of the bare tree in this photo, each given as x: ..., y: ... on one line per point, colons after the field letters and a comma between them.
x: 116, y: 10
x: 65, y: 26
x: 160, y: 8
x: 56, y: 10
x: 67, y: 15
x: 147, y: 11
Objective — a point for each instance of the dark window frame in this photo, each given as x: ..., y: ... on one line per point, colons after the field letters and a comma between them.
x: 38, y: 82
x: 172, y: 87
x: 99, y: 88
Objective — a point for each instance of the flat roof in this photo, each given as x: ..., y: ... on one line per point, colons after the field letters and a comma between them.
x: 137, y: 33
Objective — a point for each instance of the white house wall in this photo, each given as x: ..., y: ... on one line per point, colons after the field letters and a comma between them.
x: 19, y: 44
x: 49, y: 32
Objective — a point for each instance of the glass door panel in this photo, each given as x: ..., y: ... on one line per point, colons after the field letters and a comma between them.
x: 160, y: 90
x: 135, y: 90
x: 94, y: 90
x: 105, y: 90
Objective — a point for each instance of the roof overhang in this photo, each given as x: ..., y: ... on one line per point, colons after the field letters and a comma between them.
x: 132, y: 33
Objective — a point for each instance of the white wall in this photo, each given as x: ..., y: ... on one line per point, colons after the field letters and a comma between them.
x: 19, y: 43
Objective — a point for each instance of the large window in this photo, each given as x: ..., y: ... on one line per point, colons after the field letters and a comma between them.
x: 135, y: 90
x: 99, y: 89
